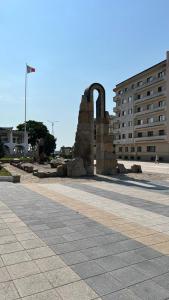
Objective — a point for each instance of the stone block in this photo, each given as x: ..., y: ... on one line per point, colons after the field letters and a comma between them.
x: 62, y: 170
x: 75, y: 168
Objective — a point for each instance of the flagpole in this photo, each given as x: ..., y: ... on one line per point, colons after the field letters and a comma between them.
x: 25, y: 97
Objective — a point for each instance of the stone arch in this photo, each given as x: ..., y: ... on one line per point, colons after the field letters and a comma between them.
x: 84, y: 141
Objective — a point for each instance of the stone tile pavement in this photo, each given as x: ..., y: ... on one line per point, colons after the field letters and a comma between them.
x: 84, y: 240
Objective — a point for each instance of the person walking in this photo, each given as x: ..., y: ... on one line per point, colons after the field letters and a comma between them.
x: 156, y: 159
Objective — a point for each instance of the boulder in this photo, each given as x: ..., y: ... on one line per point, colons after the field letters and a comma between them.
x: 54, y: 163
x: 121, y: 168
x: 75, y: 168
x: 62, y: 170
x: 136, y: 169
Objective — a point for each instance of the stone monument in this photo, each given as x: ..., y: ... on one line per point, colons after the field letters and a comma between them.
x: 106, y: 163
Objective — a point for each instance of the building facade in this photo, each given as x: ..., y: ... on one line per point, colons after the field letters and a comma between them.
x: 15, y: 142
x: 141, y: 124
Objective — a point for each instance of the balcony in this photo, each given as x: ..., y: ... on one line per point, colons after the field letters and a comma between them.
x: 116, y: 109
x: 151, y: 97
x: 150, y: 138
x: 116, y: 98
x: 157, y: 123
x: 147, y: 84
x: 148, y: 111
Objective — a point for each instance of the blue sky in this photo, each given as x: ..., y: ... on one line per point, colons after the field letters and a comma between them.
x: 72, y: 44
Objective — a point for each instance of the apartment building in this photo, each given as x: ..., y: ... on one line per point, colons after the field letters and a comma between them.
x: 15, y: 142
x: 141, y: 124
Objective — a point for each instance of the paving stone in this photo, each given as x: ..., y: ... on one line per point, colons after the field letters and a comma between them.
x: 104, y: 284
x: 61, y: 276
x: 7, y: 239
x: 1, y: 262
x: 39, y: 227
x: 50, y: 263
x: 6, y: 231
x: 147, y: 253
x: 23, y: 269
x: 76, y: 291
x: 25, y: 236
x: 150, y: 290
x: 40, y: 252
x: 87, y: 269
x: 32, y: 284
x: 111, y: 262
x: 162, y: 280
x: 15, y: 257
x: 129, y: 276
x: 34, y: 243
x: 124, y: 294
x: 11, y: 247
x: 4, y: 275
x: 8, y: 291
x: 74, y: 257
x: 47, y: 295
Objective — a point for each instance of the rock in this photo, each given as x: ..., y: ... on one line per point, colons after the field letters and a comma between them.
x: 75, y: 168
x: 16, y: 178
x: 121, y: 168
x: 62, y: 170
x: 136, y: 169
x: 54, y: 163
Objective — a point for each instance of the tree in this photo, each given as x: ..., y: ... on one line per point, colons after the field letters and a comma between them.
x: 2, y: 153
x: 36, y: 131
x: 50, y: 144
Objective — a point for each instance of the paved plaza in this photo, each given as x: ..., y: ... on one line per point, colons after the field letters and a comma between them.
x: 80, y: 239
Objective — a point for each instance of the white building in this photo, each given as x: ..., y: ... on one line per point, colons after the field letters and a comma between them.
x: 15, y: 142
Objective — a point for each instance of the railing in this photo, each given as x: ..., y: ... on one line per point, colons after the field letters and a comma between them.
x: 150, y: 138
x: 147, y: 111
x: 157, y: 123
x: 150, y: 97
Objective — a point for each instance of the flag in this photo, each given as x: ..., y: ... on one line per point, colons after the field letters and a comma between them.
x: 29, y: 69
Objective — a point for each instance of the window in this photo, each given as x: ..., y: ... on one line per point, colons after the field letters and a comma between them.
x: 150, y: 120
x: 150, y: 133
x: 139, y: 83
x: 130, y: 111
x: 123, y: 136
x: 118, y: 114
x: 126, y: 89
x: 126, y: 149
x: 140, y: 134
x: 150, y: 106
x: 149, y: 79
x: 123, y: 113
x: 138, y: 96
x: 150, y: 93
x: 139, y: 149
x: 133, y: 86
x: 119, y: 137
x: 139, y: 122
x: 124, y: 101
x: 120, y: 92
x: 132, y: 149
x: 161, y: 118
x: 120, y: 149
x: 151, y: 149
x: 130, y: 135
x: 123, y: 124
x: 129, y: 123
x: 159, y: 89
x: 138, y: 109
x: 129, y: 99
x: 161, y: 132
x: 161, y: 103
x: 161, y: 74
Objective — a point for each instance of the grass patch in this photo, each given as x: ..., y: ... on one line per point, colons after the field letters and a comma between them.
x: 4, y: 172
x: 9, y: 159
